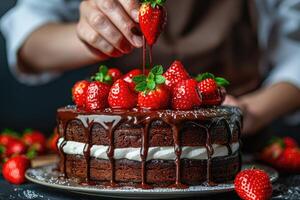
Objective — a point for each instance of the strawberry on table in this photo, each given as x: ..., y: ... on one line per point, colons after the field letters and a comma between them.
x: 52, y: 141
x: 79, y: 93
x: 153, y: 93
x: 175, y: 73
x: 122, y: 96
x: 16, y: 147
x: 31, y: 137
x: 129, y: 76
x: 185, y: 95
x: 253, y: 184
x: 115, y: 74
x: 7, y: 136
x: 13, y: 169
x: 211, y: 89
x: 152, y: 19
x: 290, y: 142
x: 289, y: 160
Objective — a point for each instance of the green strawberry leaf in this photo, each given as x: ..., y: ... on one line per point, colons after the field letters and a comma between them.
x: 102, y: 75
x: 31, y: 153
x: 157, y: 70
x: 159, y: 79
x: 2, y: 149
x: 154, y: 2
x: 204, y: 76
x: 222, y: 82
x: 10, y: 132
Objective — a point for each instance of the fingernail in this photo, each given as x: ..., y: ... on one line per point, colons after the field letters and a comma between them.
x: 136, y: 31
x: 138, y: 41
x: 135, y: 15
x: 125, y: 46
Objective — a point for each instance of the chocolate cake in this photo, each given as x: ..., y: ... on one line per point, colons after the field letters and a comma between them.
x: 144, y: 148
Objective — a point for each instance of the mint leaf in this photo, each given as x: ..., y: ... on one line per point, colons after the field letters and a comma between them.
x: 159, y: 79
x: 222, y: 82
x: 139, y: 78
x: 157, y: 70
x: 140, y: 87
x: 151, y: 84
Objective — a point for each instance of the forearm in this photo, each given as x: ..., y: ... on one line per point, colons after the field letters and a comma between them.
x: 55, y: 47
x: 270, y: 103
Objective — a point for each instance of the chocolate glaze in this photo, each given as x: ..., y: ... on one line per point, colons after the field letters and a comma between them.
x: 110, y: 119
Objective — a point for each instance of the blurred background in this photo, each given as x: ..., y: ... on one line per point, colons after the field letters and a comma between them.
x: 51, y: 96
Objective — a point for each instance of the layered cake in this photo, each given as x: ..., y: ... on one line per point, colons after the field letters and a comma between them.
x: 150, y: 148
x: 149, y: 128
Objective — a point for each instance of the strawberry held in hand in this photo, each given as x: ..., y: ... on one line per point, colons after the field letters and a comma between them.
x: 253, y: 184
x: 211, y: 89
x: 152, y: 19
x: 153, y: 93
x: 175, y: 74
x: 14, y: 169
x: 79, y: 93
x: 122, y: 96
x: 185, y: 95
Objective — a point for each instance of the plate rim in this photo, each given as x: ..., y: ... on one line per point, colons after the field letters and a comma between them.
x: 138, y: 192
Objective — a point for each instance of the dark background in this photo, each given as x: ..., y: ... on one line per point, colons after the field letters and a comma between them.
x: 34, y: 107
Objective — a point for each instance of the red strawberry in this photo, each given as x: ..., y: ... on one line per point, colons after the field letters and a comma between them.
x: 290, y: 142
x: 185, y: 95
x: 271, y: 153
x: 8, y: 136
x: 121, y: 95
x: 175, y: 74
x: 31, y: 137
x: 129, y: 76
x: 152, y: 18
x: 52, y: 141
x: 211, y: 89
x: 14, y: 169
x: 96, y: 95
x: 253, y: 184
x: 153, y: 93
x: 289, y: 160
x: 15, y: 147
x: 79, y: 92
x: 115, y: 74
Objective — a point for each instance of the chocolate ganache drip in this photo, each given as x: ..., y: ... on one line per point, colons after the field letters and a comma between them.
x: 205, y: 119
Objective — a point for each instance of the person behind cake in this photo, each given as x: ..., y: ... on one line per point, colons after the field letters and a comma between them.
x: 255, y: 51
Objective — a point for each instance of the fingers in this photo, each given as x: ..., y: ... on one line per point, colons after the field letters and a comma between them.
x: 103, y: 26
x: 87, y: 34
x: 119, y: 17
x: 132, y: 8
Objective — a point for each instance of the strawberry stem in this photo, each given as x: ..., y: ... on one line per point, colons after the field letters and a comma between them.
x: 102, y: 75
x: 154, y: 3
x: 221, y: 82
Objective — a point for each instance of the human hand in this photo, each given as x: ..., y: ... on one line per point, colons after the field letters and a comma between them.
x: 251, y: 122
x: 107, y: 26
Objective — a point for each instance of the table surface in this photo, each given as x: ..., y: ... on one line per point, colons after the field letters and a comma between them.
x: 287, y: 187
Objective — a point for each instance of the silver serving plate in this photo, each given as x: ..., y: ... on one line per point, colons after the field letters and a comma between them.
x: 48, y: 176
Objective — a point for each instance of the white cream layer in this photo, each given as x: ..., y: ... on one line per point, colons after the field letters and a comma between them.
x: 157, y: 153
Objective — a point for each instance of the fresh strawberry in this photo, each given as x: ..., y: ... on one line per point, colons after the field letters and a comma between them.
x: 175, y: 74
x: 289, y: 160
x: 185, y: 95
x: 152, y: 19
x: 122, y: 96
x: 79, y: 92
x: 14, y: 169
x: 290, y: 142
x: 52, y: 142
x: 96, y: 95
x: 211, y: 89
x: 153, y: 93
x: 253, y: 184
x: 115, y: 74
x: 31, y: 137
x: 16, y: 147
x: 8, y: 136
x: 129, y: 76
x: 271, y: 153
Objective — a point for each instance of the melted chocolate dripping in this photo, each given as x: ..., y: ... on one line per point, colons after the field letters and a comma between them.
x: 144, y: 154
x: 110, y: 120
x: 87, y: 147
x: 144, y: 52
